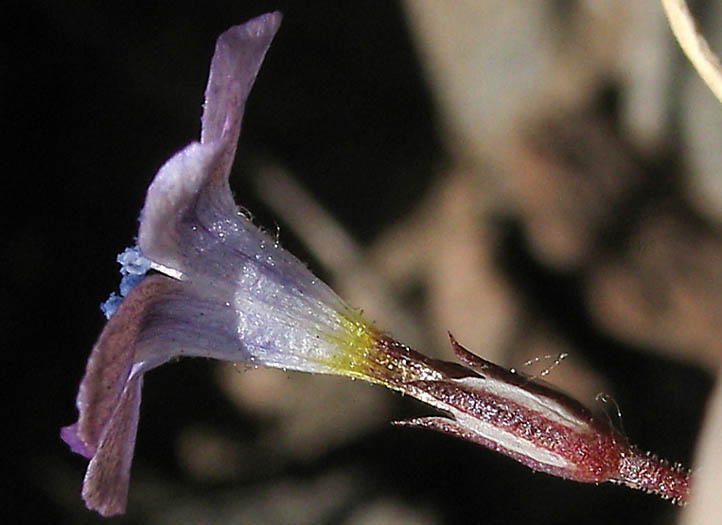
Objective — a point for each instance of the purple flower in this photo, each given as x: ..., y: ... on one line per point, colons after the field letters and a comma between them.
x: 222, y: 288
x: 189, y: 230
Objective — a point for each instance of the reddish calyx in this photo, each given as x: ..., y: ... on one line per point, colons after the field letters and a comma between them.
x: 528, y: 421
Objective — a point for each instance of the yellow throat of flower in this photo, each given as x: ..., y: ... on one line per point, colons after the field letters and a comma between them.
x: 365, y: 353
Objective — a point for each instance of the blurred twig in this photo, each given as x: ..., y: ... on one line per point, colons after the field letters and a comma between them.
x: 706, y: 506
x: 336, y: 250
x: 694, y: 44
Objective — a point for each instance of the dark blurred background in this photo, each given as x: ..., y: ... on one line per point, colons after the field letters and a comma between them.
x: 538, y: 178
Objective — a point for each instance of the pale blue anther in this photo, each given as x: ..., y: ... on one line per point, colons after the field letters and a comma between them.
x: 133, y: 267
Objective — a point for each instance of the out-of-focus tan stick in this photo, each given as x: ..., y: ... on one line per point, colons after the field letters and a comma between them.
x: 346, y: 261
x: 694, y: 44
x: 705, y: 506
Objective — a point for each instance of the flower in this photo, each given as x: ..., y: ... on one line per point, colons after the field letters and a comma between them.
x: 222, y: 288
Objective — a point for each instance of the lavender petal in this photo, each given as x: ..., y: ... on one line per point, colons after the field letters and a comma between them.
x: 105, y: 487
x: 237, y: 58
x: 110, y: 363
x: 69, y: 434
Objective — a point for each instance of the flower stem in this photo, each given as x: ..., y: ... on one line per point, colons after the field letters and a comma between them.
x: 654, y: 475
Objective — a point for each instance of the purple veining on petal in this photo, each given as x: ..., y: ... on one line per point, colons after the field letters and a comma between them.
x: 189, y: 320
